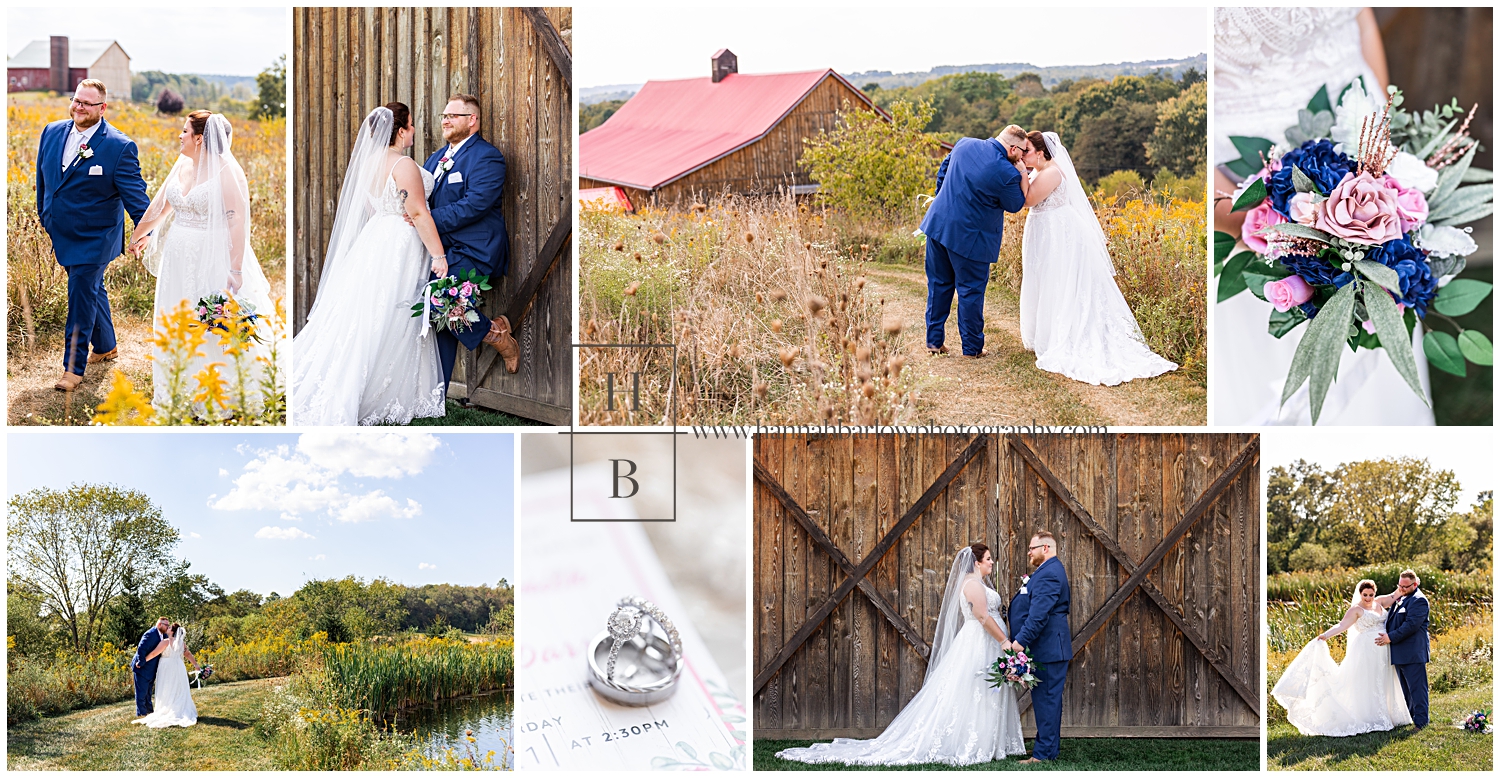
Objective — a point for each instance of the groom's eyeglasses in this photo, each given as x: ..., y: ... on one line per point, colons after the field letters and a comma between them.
x: 76, y: 101
x: 453, y: 115
x: 1033, y: 548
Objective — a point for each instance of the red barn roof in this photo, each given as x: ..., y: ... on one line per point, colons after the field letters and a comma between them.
x: 672, y: 128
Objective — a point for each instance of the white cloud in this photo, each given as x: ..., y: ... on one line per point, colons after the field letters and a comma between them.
x: 277, y: 533
x: 425, y: 566
x: 194, y: 535
x: 368, y: 507
x: 318, y: 558
x: 277, y: 480
x: 222, y: 471
x: 369, y: 454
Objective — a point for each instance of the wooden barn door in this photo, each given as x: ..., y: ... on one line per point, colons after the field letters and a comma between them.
x: 854, y: 536
x: 517, y: 62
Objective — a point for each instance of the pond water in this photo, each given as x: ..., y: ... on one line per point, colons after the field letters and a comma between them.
x: 442, y: 726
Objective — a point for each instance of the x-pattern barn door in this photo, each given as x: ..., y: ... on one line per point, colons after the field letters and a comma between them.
x: 1159, y: 535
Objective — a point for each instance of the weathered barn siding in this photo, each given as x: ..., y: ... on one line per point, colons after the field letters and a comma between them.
x: 347, y: 61
x: 765, y: 165
x: 1138, y: 675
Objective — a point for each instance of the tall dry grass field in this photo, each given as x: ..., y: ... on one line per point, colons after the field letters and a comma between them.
x: 36, y: 287
x: 1160, y: 252
x: 770, y: 316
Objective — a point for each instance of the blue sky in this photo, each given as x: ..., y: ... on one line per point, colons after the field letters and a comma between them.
x: 627, y: 43
x: 267, y: 512
x: 230, y: 41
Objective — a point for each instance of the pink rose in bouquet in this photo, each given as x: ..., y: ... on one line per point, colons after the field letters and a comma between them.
x: 1304, y: 210
x: 1361, y: 210
x: 1288, y: 293
x: 1257, y: 219
x: 1411, y: 204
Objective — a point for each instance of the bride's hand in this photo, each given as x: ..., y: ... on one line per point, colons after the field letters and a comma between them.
x: 138, y: 243
x: 440, y: 266
x: 236, y: 280
x: 1323, y: 638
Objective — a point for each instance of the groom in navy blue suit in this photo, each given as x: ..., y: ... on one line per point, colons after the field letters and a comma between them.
x: 144, y: 671
x: 1038, y: 620
x: 1406, y: 634
x: 977, y: 184
x: 87, y: 177
x: 465, y: 203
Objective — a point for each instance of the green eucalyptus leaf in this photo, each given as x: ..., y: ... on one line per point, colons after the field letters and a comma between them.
x: 1379, y: 273
x: 1476, y: 347
x: 1460, y: 200
x: 1461, y: 296
x: 1251, y: 197
x: 1252, y: 149
x: 1302, y: 183
x: 1299, y: 230
x: 1477, y: 175
x: 1437, y: 140
x: 1283, y: 322
x: 1232, y: 280
x: 1466, y: 217
x: 1317, y: 358
x: 1319, y: 101
x: 1449, y: 177
x: 1443, y: 353
x: 1393, y: 336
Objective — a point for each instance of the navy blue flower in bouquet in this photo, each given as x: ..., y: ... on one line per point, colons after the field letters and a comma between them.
x: 1318, y: 161
x: 1418, y: 286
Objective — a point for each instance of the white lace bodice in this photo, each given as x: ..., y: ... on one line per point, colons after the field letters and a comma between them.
x: 1368, y: 620
x: 992, y: 603
x: 190, y: 209
x: 390, y: 202
x: 1269, y: 58
x: 1057, y: 198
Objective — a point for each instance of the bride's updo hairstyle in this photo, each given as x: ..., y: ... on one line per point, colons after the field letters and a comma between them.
x: 1359, y: 589
x: 979, y: 550
x: 199, y: 120
x: 402, y: 116
x: 1039, y: 143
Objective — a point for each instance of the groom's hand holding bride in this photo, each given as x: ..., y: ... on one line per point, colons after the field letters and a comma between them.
x: 1382, y: 639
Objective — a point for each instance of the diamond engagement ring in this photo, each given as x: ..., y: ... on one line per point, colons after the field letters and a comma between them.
x: 637, y: 659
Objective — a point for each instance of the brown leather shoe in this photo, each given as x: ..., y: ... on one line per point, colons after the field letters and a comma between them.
x: 982, y: 353
x: 499, y: 336
x: 68, y: 382
x: 1032, y: 760
x: 940, y: 350
x: 108, y: 356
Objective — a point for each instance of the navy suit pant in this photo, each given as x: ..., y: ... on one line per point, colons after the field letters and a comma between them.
x: 946, y: 273
x: 1414, y: 688
x: 89, y: 322
x: 447, y: 340
x: 1046, y: 704
x: 145, y: 684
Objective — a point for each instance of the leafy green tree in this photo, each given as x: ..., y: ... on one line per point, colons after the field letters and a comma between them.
x: 1297, y: 496
x: 30, y: 633
x: 270, y: 103
x: 72, y: 549
x: 1391, y: 510
x: 1477, y: 553
x: 595, y: 114
x: 179, y: 595
x: 873, y: 165
x: 1180, y: 141
x: 1115, y: 140
x: 128, y: 617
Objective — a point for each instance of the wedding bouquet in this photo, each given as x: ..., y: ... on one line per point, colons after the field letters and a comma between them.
x: 452, y: 302
x: 213, y: 311
x: 204, y: 673
x: 1012, y: 668
x: 1355, y: 226
x: 1477, y: 722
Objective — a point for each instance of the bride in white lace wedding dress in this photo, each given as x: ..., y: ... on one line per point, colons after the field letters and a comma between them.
x: 362, y: 358
x: 1268, y: 63
x: 172, y: 705
x: 956, y: 718
x: 1322, y: 697
x: 1072, y: 313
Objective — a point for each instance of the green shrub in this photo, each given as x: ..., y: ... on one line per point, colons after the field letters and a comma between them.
x: 870, y: 165
x: 1120, y: 184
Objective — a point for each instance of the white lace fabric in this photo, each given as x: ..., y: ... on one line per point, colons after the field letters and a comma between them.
x: 1268, y: 63
x: 361, y: 358
x: 1323, y: 697
x: 1072, y: 313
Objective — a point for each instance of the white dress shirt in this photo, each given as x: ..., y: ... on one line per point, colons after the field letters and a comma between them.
x: 76, y: 138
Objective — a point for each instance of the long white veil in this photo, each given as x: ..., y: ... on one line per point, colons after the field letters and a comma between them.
x: 228, y: 225
x: 951, y: 613
x: 360, y: 194
x: 1077, y: 199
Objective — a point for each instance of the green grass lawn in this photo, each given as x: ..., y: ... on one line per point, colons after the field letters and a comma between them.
x: 1075, y: 754
x: 473, y: 416
x: 103, y: 738
x: 1441, y: 746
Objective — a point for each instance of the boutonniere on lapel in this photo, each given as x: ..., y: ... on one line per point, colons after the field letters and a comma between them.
x: 1024, y: 580
x: 445, y: 164
x: 84, y: 152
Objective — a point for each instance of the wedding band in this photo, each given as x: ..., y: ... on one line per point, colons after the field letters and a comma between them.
x: 637, y: 659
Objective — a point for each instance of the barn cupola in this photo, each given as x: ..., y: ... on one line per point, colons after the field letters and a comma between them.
x: 724, y: 63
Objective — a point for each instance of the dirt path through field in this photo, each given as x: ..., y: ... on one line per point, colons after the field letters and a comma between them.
x: 30, y: 376
x: 1006, y: 388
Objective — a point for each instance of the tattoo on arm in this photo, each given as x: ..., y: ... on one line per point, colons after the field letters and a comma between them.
x: 403, y: 195
x: 229, y: 214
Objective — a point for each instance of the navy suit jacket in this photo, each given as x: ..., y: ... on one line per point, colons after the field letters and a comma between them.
x: 149, y: 642
x: 467, y: 213
x: 1038, y: 618
x: 85, y: 214
x: 976, y: 187
x: 1406, y: 626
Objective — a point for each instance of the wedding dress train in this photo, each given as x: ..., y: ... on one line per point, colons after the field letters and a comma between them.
x: 1322, y: 697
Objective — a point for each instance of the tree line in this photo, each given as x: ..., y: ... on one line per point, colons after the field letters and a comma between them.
x: 172, y: 93
x: 93, y: 565
x: 1400, y: 510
